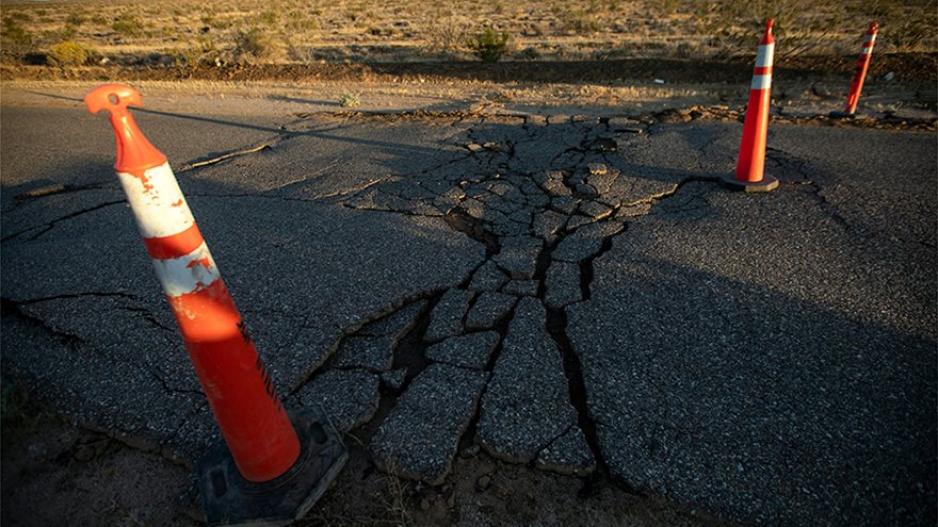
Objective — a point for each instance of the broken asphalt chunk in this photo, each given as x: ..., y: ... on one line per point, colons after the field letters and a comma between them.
x: 420, y: 436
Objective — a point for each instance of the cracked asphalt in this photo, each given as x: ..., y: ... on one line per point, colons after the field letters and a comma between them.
x: 575, y: 293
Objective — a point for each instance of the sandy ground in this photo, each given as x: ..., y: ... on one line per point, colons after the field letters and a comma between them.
x: 811, y: 96
x: 55, y: 473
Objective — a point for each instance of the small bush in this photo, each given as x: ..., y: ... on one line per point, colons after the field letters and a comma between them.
x: 68, y: 32
x: 489, y: 45
x: 19, y: 37
x: 68, y: 53
x: 75, y: 19
x: 268, y: 17
x: 128, y: 25
x: 579, y: 21
x: 253, y: 42
x: 447, y: 35
x: 350, y: 100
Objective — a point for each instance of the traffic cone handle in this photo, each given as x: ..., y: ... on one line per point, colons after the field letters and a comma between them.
x: 134, y: 151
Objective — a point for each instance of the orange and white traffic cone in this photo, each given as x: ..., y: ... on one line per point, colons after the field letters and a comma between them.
x: 275, y: 467
x: 751, y: 163
x: 863, y: 65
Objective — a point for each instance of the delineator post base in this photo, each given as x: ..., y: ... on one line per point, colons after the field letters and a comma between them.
x: 767, y: 184
x: 842, y: 115
x: 229, y: 499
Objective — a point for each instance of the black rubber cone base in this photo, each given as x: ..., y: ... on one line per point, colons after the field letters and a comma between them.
x: 767, y: 184
x: 229, y: 499
x: 842, y: 115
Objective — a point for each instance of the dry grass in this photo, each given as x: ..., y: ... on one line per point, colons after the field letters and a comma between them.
x: 407, y: 30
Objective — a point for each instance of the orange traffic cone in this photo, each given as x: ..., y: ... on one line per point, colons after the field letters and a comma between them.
x: 751, y: 162
x: 271, y: 469
x: 863, y: 65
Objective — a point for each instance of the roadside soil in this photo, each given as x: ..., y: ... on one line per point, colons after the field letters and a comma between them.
x: 906, y: 67
x: 56, y: 473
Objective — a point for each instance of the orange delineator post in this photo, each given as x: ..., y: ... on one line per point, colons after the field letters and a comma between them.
x: 863, y: 64
x: 749, y: 166
x: 259, y: 434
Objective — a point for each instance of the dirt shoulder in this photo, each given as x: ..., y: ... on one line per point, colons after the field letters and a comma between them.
x: 56, y: 473
x: 802, y: 100
x: 907, y: 68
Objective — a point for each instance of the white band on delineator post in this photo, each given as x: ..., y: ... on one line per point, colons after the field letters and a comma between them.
x: 765, y: 55
x: 761, y: 82
x: 187, y: 273
x: 157, y: 202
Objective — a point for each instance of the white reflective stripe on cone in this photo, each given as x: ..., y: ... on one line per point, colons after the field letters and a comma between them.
x: 761, y: 82
x: 866, y: 51
x: 765, y: 55
x: 157, y: 202
x: 187, y: 273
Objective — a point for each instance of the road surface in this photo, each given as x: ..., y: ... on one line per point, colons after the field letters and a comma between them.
x: 578, y: 294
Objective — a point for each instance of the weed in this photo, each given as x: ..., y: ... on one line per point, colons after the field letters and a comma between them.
x: 398, y: 501
x: 350, y: 100
x: 74, y: 19
x: 68, y: 53
x: 489, y: 45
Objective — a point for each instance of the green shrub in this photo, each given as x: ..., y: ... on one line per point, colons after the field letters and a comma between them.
x: 75, y: 19
x: 489, y: 45
x: 349, y: 100
x: 68, y: 53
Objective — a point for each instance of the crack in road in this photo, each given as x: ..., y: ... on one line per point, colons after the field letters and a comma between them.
x: 48, y: 226
x: 501, y: 203
x: 571, y: 205
x: 543, y: 224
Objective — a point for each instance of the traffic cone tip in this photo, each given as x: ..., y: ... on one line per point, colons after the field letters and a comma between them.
x: 767, y: 37
x: 134, y: 152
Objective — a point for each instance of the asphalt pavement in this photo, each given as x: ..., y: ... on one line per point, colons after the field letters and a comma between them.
x: 579, y: 294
